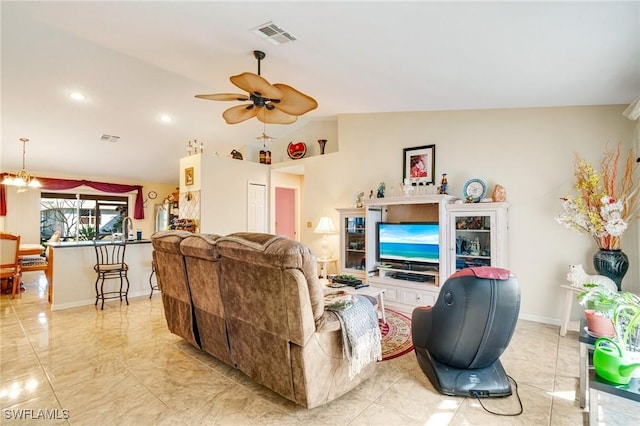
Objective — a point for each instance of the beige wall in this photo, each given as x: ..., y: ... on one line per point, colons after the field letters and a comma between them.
x: 529, y: 151
x: 309, y: 134
x: 223, y: 197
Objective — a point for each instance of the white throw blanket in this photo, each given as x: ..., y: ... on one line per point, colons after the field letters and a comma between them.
x: 360, y: 333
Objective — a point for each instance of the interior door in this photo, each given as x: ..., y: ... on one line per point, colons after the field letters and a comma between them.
x: 286, y: 212
x: 257, y: 208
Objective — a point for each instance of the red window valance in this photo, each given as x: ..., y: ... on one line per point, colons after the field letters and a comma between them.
x: 58, y: 184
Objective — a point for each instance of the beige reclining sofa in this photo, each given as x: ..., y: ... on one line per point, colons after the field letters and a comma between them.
x: 254, y: 301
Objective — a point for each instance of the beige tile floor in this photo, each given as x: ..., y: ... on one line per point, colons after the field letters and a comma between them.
x: 121, y: 366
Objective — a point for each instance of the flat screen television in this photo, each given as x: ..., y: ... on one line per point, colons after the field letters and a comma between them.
x: 409, y: 243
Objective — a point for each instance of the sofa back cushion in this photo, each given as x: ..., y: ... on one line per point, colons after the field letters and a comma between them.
x: 201, y: 261
x: 271, y: 282
x: 172, y: 280
x: 270, y: 292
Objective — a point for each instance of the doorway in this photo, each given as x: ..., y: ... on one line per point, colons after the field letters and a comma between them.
x: 257, y: 208
x: 286, y: 212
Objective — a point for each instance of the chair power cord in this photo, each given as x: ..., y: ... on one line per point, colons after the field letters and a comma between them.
x: 504, y: 414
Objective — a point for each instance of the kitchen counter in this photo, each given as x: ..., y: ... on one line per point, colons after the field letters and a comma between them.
x: 73, y: 279
x: 62, y: 244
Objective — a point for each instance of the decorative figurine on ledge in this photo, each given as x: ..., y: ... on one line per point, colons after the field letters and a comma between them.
x: 444, y: 184
x: 407, y: 187
x: 381, y: 190
x: 357, y: 197
x: 499, y: 194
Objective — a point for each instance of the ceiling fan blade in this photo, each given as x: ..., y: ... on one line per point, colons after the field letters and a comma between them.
x: 293, y: 101
x: 224, y: 97
x: 239, y: 113
x: 274, y: 116
x: 255, y: 84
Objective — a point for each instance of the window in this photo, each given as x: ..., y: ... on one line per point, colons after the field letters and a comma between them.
x: 81, y: 217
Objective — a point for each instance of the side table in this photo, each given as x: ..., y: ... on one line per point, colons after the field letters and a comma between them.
x: 323, y: 262
x: 569, y: 297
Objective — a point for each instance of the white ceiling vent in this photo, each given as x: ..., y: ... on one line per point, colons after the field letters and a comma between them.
x: 109, y: 138
x: 272, y: 33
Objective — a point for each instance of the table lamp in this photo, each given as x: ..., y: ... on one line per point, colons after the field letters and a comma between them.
x: 325, y: 227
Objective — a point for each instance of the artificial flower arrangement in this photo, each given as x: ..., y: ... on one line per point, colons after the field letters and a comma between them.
x: 605, y: 204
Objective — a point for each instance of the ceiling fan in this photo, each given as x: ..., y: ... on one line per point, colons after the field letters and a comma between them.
x: 270, y: 103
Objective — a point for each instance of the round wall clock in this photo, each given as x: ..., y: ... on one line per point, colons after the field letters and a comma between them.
x: 152, y: 195
x: 474, y: 190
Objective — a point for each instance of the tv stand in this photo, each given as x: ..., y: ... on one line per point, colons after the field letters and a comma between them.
x: 411, y: 274
x: 471, y: 234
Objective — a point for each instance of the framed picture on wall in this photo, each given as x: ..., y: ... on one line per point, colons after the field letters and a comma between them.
x: 188, y: 176
x: 419, y: 164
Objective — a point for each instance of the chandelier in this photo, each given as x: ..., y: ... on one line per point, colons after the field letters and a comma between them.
x: 22, y: 178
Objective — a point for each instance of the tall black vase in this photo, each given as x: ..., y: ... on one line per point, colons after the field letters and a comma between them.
x: 322, y: 143
x: 611, y: 263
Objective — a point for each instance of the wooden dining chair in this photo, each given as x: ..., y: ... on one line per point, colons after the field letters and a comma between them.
x: 9, y: 262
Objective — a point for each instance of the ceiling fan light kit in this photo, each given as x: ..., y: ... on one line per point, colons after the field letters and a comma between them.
x: 270, y: 103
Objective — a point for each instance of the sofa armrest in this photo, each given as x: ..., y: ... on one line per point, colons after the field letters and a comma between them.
x: 327, y: 323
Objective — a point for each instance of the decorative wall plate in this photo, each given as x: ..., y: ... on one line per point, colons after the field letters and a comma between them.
x: 296, y: 150
x: 474, y: 190
x: 152, y: 195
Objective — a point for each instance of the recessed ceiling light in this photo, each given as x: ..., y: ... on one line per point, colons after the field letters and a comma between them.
x: 77, y: 96
x: 165, y: 118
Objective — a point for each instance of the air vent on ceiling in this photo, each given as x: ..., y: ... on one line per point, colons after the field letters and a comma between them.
x: 272, y: 33
x: 109, y: 138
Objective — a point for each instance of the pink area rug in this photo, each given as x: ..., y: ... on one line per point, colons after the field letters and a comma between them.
x: 396, y: 335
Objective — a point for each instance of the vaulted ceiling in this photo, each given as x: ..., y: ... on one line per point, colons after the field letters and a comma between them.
x: 135, y: 61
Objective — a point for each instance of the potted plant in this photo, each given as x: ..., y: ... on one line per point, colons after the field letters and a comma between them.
x: 617, y: 312
x: 616, y: 359
x: 600, y: 302
x: 626, y: 321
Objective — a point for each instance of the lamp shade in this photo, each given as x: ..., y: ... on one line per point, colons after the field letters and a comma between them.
x: 325, y: 226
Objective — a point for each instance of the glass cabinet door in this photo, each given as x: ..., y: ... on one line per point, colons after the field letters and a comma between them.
x: 473, y: 242
x: 352, y: 242
x: 478, y: 235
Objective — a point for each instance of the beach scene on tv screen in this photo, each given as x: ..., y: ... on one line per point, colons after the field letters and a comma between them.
x: 409, y: 242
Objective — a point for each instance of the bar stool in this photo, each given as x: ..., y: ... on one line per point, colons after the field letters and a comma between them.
x: 110, y: 264
x: 153, y: 271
